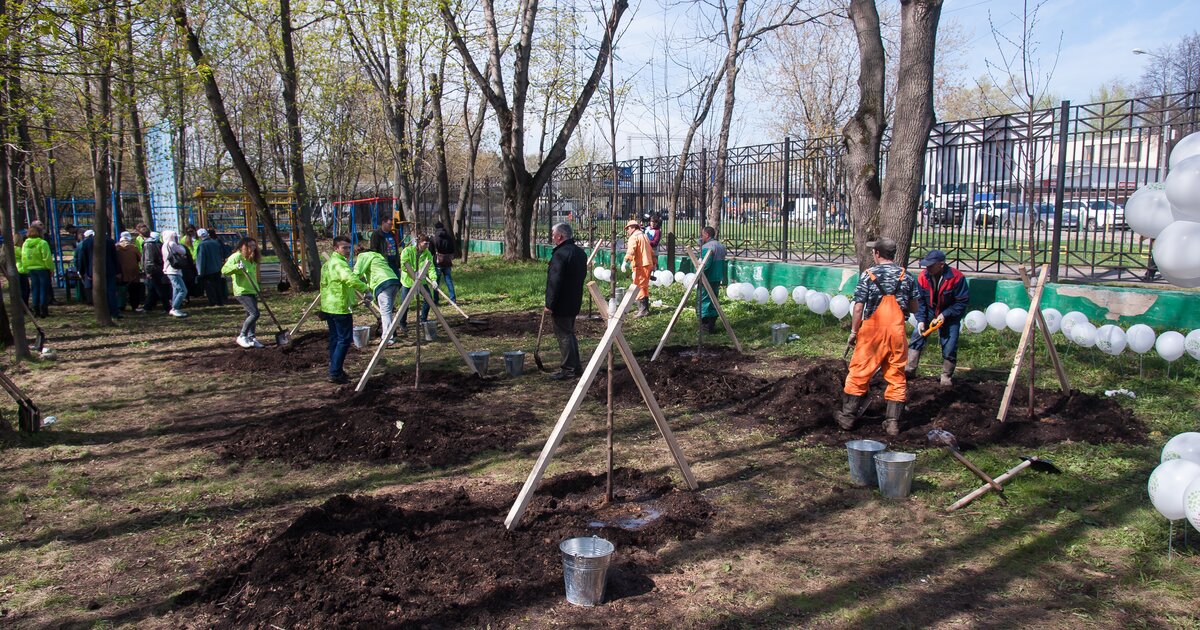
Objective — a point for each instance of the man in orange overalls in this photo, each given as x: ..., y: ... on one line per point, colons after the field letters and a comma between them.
x: 639, y: 252
x: 885, y: 294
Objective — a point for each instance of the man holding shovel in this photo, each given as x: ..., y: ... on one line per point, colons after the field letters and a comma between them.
x: 942, y: 297
x: 564, y: 296
x: 639, y: 252
x: 338, y: 286
x: 885, y: 294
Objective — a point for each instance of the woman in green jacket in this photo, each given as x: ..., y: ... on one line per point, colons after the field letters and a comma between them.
x: 242, y: 265
x: 373, y: 268
x: 35, y: 253
x: 338, y: 285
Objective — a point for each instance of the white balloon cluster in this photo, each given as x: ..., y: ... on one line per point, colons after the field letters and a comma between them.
x: 662, y: 278
x: 1174, y: 486
x: 1170, y: 213
x: 602, y: 274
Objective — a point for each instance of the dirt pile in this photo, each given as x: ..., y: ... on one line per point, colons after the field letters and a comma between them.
x: 522, y: 324
x: 717, y: 379
x: 306, y: 352
x: 803, y: 405
x: 442, y: 558
x: 441, y: 425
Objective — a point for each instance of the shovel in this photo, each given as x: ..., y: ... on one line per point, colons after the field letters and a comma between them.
x: 283, y: 338
x: 1036, y: 463
x: 537, y: 348
x: 932, y: 327
x: 946, y: 440
x: 39, y: 343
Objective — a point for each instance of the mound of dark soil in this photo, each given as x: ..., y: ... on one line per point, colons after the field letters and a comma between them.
x: 803, y: 406
x: 521, y: 324
x: 718, y: 378
x: 442, y: 558
x: 441, y: 425
x: 304, y: 353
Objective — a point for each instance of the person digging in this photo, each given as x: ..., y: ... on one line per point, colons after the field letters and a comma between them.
x: 884, y: 296
x: 942, y: 296
x: 338, y: 287
x: 641, y: 254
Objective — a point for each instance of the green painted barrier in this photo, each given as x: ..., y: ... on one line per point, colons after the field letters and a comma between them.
x: 1160, y: 309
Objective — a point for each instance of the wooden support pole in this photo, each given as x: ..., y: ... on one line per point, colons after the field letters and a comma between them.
x: 568, y: 412
x: 387, y: 334
x: 656, y: 412
x: 304, y: 315
x: 437, y: 312
x: 712, y: 295
x: 687, y: 291
x: 1034, y: 307
x: 452, y: 303
x: 1048, y: 338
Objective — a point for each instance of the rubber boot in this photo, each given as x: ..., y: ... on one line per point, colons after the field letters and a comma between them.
x: 947, y: 373
x: 709, y: 323
x: 891, y: 424
x: 849, y: 413
x: 914, y: 358
x: 643, y: 307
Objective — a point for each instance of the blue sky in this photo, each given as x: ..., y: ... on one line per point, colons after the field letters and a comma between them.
x: 1097, y: 36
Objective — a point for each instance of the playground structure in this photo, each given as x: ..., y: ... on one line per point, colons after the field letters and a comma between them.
x: 359, y: 217
x: 67, y: 216
x: 229, y: 215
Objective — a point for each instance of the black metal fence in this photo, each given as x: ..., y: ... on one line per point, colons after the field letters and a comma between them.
x: 999, y: 191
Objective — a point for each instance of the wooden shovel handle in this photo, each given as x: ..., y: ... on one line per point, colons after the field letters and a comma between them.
x: 979, y: 473
x: 985, y: 488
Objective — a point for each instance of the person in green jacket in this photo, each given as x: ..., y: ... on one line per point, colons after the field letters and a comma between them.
x: 715, y: 272
x: 415, y: 256
x: 338, y: 285
x: 242, y: 265
x: 39, y: 263
x: 373, y: 268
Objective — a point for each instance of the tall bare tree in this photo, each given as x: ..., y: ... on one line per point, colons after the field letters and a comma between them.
x: 291, y: 87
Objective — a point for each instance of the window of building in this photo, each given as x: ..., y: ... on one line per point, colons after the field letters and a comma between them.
x: 1133, y: 152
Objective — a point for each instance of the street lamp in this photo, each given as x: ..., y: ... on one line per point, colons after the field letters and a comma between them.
x: 1164, y: 142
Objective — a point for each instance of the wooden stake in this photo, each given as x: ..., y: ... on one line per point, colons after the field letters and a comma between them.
x: 1034, y: 306
x: 437, y: 312
x: 304, y: 315
x: 1048, y: 338
x: 387, y: 334
x: 687, y: 291
x: 712, y: 295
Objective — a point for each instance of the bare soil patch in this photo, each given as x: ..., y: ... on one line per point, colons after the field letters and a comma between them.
x: 442, y: 558
x: 717, y: 377
x: 521, y: 324
x: 306, y: 352
x: 441, y: 424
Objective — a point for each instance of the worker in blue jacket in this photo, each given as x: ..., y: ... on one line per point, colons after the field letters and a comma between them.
x: 942, y: 296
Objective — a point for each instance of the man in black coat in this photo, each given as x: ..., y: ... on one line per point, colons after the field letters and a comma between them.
x: 564, y: 296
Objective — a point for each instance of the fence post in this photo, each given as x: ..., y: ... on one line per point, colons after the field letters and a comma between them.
x: 487, y: 214
x: 783, y: 203
x: 1060, y: 176
x: 642, y: 186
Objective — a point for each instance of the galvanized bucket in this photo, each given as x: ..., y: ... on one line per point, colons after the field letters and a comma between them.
x: 361, y: 336
x: 620, y: 294
x: 430, y: 330
x: 480, y: 359
x: 514, y: 363
x: 779, y: 333
x: 862, y: 461
x: 895, y: 471
x: 585, y: 568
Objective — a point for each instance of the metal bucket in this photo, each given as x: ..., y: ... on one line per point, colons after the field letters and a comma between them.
x: 895, y: 471
x: 862, y: 461
x: 585, y: 568
x: 361, y: 336
x: 779, y: 333
x: 480, y: 359
x: 514, y: 363
x: 620, y: 294
x: 430, y: 330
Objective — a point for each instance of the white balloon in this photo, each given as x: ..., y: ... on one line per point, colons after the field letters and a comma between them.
x: 1167, y: 485
x: 839, y: 305
x: 732, y: 291
x: 1140, y: 338
x: 1191, y: 343
x: 997, y: 314
x: 1187, y: 147
x: 1053, y: 319
x: 1186, y: 283
x: 1111, y: 339
x: 779, y: 295
x: 1182, y: 446
x: 1169, y: 345
x: 817, y: 302
x: 1084, y: 334
x: 799, y: 293
x: 598, y: 273
x: 762, y: 295
x: 1148, y: 210
x: 747, y: 292
x: 975, y: 321
x: 688, y: 277
x: 1015, y: 320
x: 1070, y: 320
x: 1177, y: 250
x: 1183, y: 189
x: 1191, y: 502
x: 667, y: 279
x: 679, y: 276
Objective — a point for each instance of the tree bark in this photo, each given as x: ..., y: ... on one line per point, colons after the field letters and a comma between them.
x: 863, y: 134
x: 716, y: 202
x: 98, y: 115
x: 439, y: 149
x: 137, y: 139
x: 291, y: 80
x: 911, y: 122
x: 20, y: 343
x: 216, y: 103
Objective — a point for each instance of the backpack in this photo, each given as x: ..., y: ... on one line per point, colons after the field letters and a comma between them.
x: 152, y: 262
x: 178, y: 260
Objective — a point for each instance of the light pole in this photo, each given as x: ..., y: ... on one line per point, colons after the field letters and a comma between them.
x: 1164, y: 141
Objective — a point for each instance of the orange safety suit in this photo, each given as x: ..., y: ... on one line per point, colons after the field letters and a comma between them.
x: 881, y: 341
x: 641, y: 256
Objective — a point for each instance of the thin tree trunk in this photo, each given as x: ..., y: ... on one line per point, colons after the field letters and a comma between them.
x: 20, y: 343
x: 100, y: 129
x: 439, y: 149
x: 249, y: 180
x: 308, y: 236
x: 863, y: 134
x: 717, y: 201
x: 137, y: 139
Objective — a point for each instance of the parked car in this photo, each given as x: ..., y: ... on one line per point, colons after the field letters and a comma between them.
x: 1042, y: 217
x: 991, y: 212
x: 946, y: 217
x: 1097, y: 214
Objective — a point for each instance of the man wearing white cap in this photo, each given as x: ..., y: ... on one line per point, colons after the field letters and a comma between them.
x: 210, y: 255
x: 639, y: 252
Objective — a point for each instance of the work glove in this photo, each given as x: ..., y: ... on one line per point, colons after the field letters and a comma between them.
x: 921, y: 327
x: 939, y: 319
x: 853, y: 339
x: 435, y: 286
x: 625, y: 267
